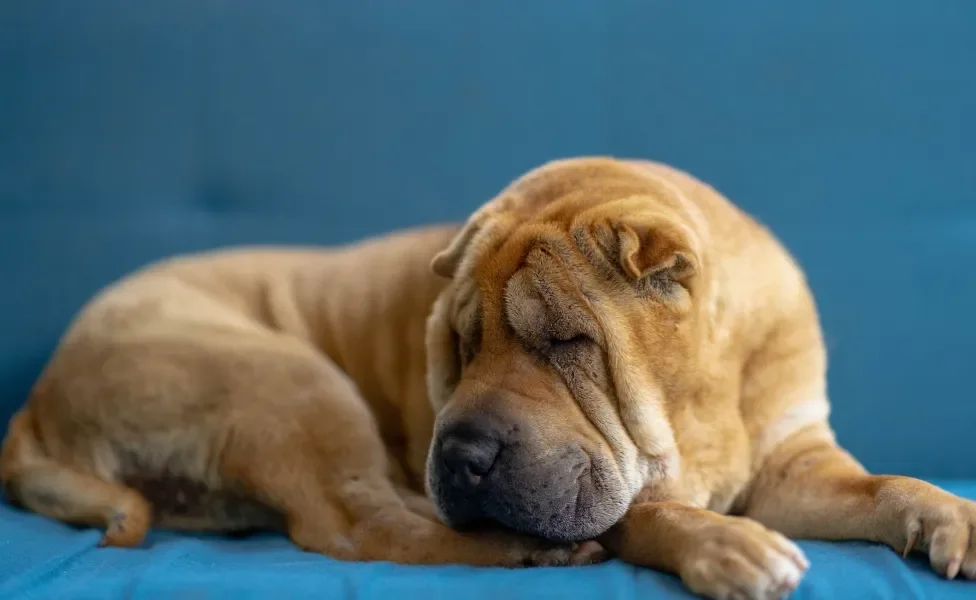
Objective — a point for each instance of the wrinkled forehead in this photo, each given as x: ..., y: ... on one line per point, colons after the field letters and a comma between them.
x: 509, y: 251
x: 525, y: 260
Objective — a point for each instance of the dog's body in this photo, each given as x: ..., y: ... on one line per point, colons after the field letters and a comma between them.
x: 608, y: 350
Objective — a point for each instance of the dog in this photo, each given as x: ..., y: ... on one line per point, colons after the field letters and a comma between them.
x: 607, y: 357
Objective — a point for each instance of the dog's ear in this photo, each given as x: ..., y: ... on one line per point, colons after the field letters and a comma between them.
x: 653, y: 250
x: 652, y: 247
x: 446, y: 262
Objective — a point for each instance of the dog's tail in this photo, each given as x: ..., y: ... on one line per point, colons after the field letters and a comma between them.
x: 30, y: 478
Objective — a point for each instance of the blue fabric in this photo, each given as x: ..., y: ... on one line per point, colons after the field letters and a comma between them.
x: 41, y: 559
x: 133, y: 130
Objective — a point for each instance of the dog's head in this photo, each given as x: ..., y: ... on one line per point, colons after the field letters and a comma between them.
x: 569, y: 321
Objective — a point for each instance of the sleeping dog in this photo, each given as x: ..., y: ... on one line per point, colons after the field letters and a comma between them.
x: 608, y: 356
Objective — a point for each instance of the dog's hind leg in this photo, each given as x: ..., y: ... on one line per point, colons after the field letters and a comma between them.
x: 58, y: 491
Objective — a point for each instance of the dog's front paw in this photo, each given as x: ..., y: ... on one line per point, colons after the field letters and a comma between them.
x: 737, y: 558
x: 584, y: 553
x: 539, y: 553
x: 935, y: 522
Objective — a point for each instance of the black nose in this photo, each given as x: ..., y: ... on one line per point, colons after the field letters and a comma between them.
x: 468, y: 452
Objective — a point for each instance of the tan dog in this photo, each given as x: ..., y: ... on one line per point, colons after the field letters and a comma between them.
x: 611, y: 351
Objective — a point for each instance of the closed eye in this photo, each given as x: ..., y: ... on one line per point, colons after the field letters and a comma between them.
x: 558, y: 342
x: 578, y: 354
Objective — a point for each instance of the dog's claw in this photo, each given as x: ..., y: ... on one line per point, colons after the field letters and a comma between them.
x: 953, y: 569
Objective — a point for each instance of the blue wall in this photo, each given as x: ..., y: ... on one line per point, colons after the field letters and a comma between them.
x: 133, y: 130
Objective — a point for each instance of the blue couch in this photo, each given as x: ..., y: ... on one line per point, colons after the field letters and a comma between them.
x: 134, y: 130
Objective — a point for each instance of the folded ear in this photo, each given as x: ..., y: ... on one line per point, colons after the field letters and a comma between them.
x: 656, y: 248
x: 445, y: 263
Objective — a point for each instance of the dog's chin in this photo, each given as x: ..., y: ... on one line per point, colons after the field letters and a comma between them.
x: 554, y: 527
x: 586, y: 526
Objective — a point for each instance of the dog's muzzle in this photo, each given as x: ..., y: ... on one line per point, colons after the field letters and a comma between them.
x: 484, y: 468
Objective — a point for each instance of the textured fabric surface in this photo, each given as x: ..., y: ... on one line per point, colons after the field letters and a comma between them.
x: 41, y: 559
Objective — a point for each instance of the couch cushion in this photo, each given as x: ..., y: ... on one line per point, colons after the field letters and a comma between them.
x: 40, y: 558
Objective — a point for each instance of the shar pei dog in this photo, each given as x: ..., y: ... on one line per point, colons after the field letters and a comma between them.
x: 608, y: 358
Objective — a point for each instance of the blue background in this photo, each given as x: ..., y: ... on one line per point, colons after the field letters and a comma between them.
x: 132, y: 130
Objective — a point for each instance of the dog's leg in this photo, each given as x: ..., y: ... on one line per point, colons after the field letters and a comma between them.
x: 60, y: 492
x: 715, y: 555
x: 352, y: 511
x: 807, y: 487
x: 810, y: 488
x: 418, y: 503
x: 718, y: 556
x: 323, y: 464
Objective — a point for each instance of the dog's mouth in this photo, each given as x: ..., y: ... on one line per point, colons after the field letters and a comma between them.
x: 562, y: 497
